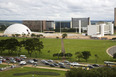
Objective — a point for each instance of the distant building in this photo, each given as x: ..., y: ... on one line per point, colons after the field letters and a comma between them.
x: 17, y: 29
x: 84, y: 23
x: 114, y: 16
x: 39, y: 25
x: 100, y: 30
x: 62, y: 24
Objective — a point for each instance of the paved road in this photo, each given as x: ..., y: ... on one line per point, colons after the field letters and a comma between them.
x: 111, y: 50
x: 47, y: 68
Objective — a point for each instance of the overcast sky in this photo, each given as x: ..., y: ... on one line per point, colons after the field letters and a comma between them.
x: 56, y: 9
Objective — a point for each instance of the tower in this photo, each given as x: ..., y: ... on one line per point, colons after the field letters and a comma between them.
x: 114, y: 16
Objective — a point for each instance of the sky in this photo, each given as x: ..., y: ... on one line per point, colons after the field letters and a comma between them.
x: 56, y: 9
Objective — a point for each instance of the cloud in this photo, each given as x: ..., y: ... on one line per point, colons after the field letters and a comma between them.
x: 56, y: 9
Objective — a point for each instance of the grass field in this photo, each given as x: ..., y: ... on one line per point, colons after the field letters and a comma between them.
x: 9, y: 73
x: 1, y: 65
x: 73, y: 45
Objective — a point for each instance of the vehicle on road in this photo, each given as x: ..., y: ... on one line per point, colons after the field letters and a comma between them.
x: 22, y: 63
x: 50, y: 60
x: 23, y: 56
x: 35, y: 60
x: 30, y: 61
x: 62, y: 66
x: 52, y: 65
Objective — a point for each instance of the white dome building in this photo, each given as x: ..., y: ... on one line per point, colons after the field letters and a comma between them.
x: 17, y: 29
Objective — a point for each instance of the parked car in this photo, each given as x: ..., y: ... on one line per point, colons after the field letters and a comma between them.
x: 3, y: 60
x: 62, y: 66
x: 22, y: 63
x: 1, y: 69
x: 1, y: 57
x: 12, y: 61
x: 11, y: 58
x: 18, y: 59
x: 23, y: 56
x: 90, y: 66
x: 35, y: 60
x: 30, y: 61
x: 66, y: 61
x: 43, y: 61
x: 13, y: 66
x: 50, y: 60
x: 46, y: 63
x: 56, y: 64
x: 61, y: 63
x: 52, y: 65
x: 95, y: 65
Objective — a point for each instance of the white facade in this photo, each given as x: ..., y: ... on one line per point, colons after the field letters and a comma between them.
x: 17, y: 29
x: 100, y: 30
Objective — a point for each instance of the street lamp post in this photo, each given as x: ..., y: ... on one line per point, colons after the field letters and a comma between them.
x: 60, y: 26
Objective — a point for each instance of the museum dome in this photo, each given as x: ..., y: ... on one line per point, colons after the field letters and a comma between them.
x: 17, y: 29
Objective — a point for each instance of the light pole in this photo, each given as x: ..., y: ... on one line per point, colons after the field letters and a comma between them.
x: 60, y: 26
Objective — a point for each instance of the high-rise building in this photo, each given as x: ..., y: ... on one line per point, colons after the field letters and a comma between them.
x: 62, y: 24
x: 114, y: 16
x: 39, y: 25
x: 84, y: 23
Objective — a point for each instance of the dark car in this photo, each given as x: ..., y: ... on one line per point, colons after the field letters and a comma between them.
x: 18, y: 59
x: 46, y: 63
x: 35, y: 60
x: 95, y: 65
x: 52, y: 65
x: 62, y: 66
x: 56, y: 64
x: 3, y: 60
x: 91, y: 66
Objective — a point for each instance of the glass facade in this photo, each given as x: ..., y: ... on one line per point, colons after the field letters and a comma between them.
x: 64, y: 24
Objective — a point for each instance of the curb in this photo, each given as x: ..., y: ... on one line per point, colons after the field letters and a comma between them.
x: 107, y: 51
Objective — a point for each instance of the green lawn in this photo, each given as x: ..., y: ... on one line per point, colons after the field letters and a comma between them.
x: 73, y: 45
x: 98, y: 47
x: 10, y: 73
x: 1, y: 65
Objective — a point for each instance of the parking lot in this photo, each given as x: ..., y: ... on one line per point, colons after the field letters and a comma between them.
x: 34, y: 62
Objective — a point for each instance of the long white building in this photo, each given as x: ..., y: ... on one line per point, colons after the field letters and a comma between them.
x: 99, y: 30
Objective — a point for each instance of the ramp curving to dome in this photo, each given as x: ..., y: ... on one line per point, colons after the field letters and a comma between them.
x: 17, y: 29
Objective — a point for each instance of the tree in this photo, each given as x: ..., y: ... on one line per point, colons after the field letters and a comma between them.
x: 114, y: 56
x: 64, y: 35
x: 79, y: 55
x: 33, y: 35
x: 33, y: 45
x: 17, y: 35
x: 13, y: 35
x: 56, y: 55
x: 2, y: 46
x: 86, y: 55
x: 38, y: 45
x: 11, y: 45
x: 68, y: 55
x: 97, y: 72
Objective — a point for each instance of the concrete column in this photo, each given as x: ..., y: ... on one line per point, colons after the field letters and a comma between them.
x: 71, y: 24
x: 102, y: 29
x: 112, y: 28
x: 79, y: 26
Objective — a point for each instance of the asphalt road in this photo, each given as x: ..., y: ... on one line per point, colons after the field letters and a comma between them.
x: 112, y: 50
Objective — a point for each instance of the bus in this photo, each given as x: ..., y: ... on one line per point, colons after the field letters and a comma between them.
x: 110, y: 64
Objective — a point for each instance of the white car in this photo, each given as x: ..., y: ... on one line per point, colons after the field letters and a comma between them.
x: 23, y: 56
x: 74, y: 63
x: 31, y: 61
x: 23, y: 63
